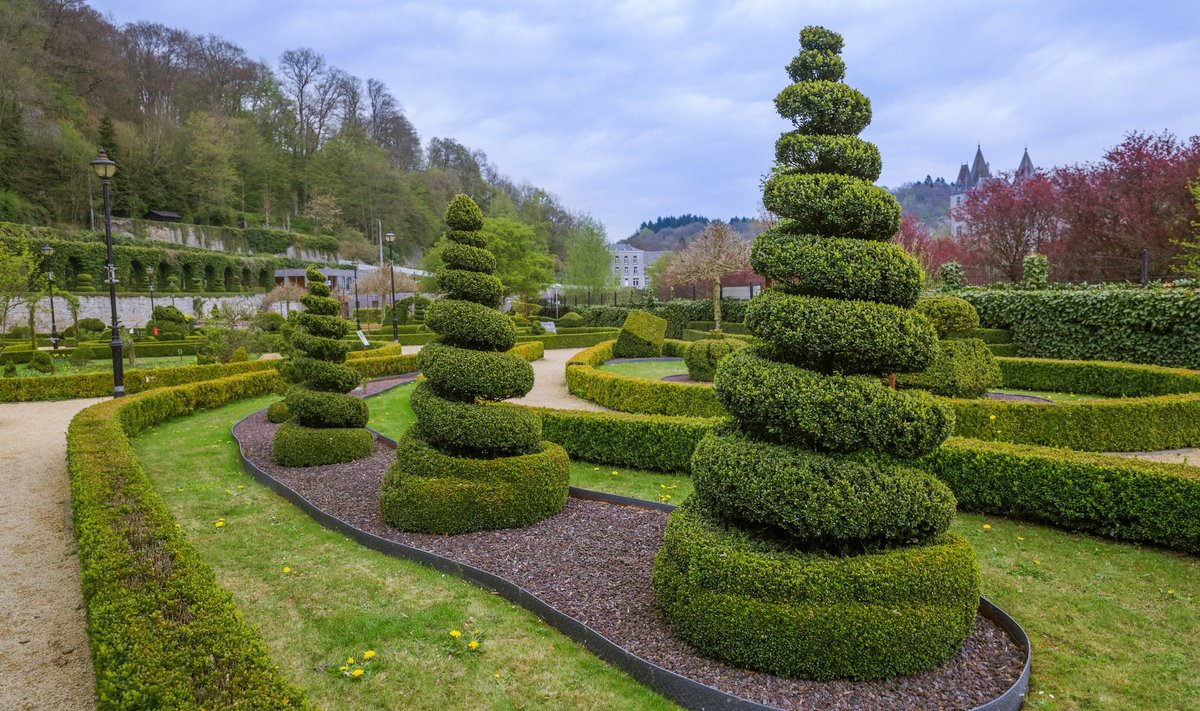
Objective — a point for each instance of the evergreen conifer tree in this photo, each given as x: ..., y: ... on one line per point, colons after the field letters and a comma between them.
x: 811, y: 547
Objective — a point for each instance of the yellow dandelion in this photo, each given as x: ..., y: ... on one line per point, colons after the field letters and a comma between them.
x: 455, y: 634
x: 356, y: 673
x: 1037, y: 562
x: 343, y: 668
x: 987, y: 526
x: 1020, y: 538
x: 1170, y: 591
x: 595, y: 469
x: 472, y: 645
x: 991, y: 417
x: 497, y: 675
x: 219, y: 524
x: 286, y: 570
x: 615, y: 472
x: 350, y: 660
x: 369, y: 654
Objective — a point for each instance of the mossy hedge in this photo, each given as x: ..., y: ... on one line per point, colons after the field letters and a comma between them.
x: 163, y: 634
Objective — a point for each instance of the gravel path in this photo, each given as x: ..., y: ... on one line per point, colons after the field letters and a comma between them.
x: 1170, y: 456
x: 45, y: 662
x: 550, y: 383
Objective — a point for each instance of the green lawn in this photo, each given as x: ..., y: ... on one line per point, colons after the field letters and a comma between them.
x: 653, y: 369
x: 1114, y: 626
x: 1056, y: 397
x: 338, y: 599
x: 391, y: 414
x: 104, y: 365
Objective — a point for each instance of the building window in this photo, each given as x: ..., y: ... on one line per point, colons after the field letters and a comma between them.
x: 635, y: 282
x: 626, y: 270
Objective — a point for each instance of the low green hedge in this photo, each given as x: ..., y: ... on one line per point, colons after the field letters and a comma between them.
x: 1003, y: 350
x: 429, y: 491
x: 1120, y: 497
x: 656, y: 442
x: 641, y: 336
x: 727, y: 326
x: 571, y: 340
x: 63, y: 387
x: 163, y: 633
x: 637, y: 395
x: 693, y: 335
x: 764, y: 606
x: 1096, y: 377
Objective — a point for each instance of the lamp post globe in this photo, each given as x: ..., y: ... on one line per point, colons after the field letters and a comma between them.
x: 391, y: 238
x: 47, y: 250
x: 105, y: 169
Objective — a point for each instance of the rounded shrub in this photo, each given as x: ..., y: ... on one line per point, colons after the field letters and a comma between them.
x: 41, y: 362
x: 824, y: 107
x: 480, y: 288
x: 429, y: 490
x: 844, y: 503
x: 91, y: 325
x: 701, y: 357
x: 463, y: 214
x: 761, y: 604
x: 459, y: 426
x: 814, y: 545
x: 467, y: 237
x: 321, y: 375
x: 849, y: 155
x: 315, y: 408
x: 950, y: 315
x: 278, y: 412
x: 963, y: 368
x: 470, y: 325
x: 859, y: 336
x: 319, y: 348
x: 464, y: 373
x: 784, y: 403
x: 323, y: 326
x: 466, y: 257
x: 570, y: 320
x: 298, y: 446
x: 832, y: 205
x: 838, y: 268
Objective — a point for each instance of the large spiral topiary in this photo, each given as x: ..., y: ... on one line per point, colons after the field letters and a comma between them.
x: 326, y: 426
x: 469, y: 465
x: 811, y: 548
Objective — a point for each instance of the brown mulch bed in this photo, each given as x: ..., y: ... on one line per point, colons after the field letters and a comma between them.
x: 593, y: 560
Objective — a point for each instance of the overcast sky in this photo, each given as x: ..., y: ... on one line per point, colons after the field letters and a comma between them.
x: 632, y: 109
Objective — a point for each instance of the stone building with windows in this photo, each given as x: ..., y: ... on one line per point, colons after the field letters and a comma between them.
x: 629, y: 264
x: 975, y: 175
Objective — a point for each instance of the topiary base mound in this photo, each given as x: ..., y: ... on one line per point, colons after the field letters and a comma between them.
x: 429, y: 491
x: 298, y: 446
x: 756, y: 604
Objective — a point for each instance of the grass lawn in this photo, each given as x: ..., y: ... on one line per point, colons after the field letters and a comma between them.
x: 652, y: 369
x: 391, y: 414
x: 339, y: 599
x: 1114, y: 626
x: 1056, y: 397
x: 104, y: 365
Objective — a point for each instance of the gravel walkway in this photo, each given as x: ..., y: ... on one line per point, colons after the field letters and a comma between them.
x: 45, y: 661
x: 550, y: 384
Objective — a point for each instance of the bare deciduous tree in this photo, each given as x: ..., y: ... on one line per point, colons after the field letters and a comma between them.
x: 717, y: 253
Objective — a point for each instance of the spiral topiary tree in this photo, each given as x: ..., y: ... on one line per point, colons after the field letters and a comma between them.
x: 469, y: 465
x: 326, y: 425
x: 811, y: 548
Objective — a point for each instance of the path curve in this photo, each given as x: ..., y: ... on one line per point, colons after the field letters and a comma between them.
x: 550, y: 384
x: 45, y: 661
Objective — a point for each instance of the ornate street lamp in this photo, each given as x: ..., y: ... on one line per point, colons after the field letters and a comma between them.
x: 357, y: 320
x: 150, y: 281
x: 47, y: 250
x: 105, y: 169
x: 391, y: 237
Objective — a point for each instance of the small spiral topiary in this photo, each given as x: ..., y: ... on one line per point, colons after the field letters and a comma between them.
x: 324, y: 424
x: 468, y: 465
x: 812, y: 547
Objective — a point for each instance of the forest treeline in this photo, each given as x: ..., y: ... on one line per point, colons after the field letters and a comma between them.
x: 200, y: 128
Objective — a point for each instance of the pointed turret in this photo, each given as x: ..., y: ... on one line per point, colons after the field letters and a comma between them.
x: 964, y: 177
x: 1025, y: 169
x: 979, y: 168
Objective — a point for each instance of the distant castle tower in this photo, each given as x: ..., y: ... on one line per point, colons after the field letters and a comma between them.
x: 978, y: 173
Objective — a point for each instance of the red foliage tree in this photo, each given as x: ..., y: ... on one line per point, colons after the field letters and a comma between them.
x: 1007, y: 220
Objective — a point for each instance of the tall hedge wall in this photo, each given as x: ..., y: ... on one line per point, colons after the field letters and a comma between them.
x: 1159, y: 326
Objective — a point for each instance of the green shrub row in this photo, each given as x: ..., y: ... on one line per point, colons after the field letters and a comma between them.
x: 163, y: 633
x: 657, y: 442
x: 569, y: 340
x: 636, y: 395
x: 864, y: 616
x: 1157, y: 326
x: 677, y: 312
x: 64, y: 387
x: 1097, y: 377
x: 692, y: 335
x: 1003, y: 350
x: 428, y: 490
x: 729, y: 327
x: 964, y: 368
x: 1123, y: 498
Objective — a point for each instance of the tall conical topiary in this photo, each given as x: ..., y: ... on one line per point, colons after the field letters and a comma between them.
x: 326, y: 426
x: 811, y: 548
x: 470, y: 465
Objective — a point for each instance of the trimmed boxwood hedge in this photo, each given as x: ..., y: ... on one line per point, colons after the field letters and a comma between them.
x: 832, y: 205
x: 277, y: 412
x: 641, y: 336
x: 990, y: 336
x: 838, y: 502
x: 471, y: 286
x: 657, y: 442
x: 1003, y: 350
x: 948, y: 314
x: 865, y: 616
x: 1096, y: 377
x: 427, y: 490
x: 471, y: 325
x: 146, y: 654
x: 837, y: 267
x: 313, y: 408
x: 702, y: 357
x: 637, y: 395
x: 465, y: 373
x: 964, y: 368
x: 63, y: 387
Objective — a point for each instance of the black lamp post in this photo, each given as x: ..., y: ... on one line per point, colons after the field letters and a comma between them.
x: 391, y: 237
x: 47, y: 250
x: 357, y: 320
x: 150, y: 281
x: 105, y: 169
